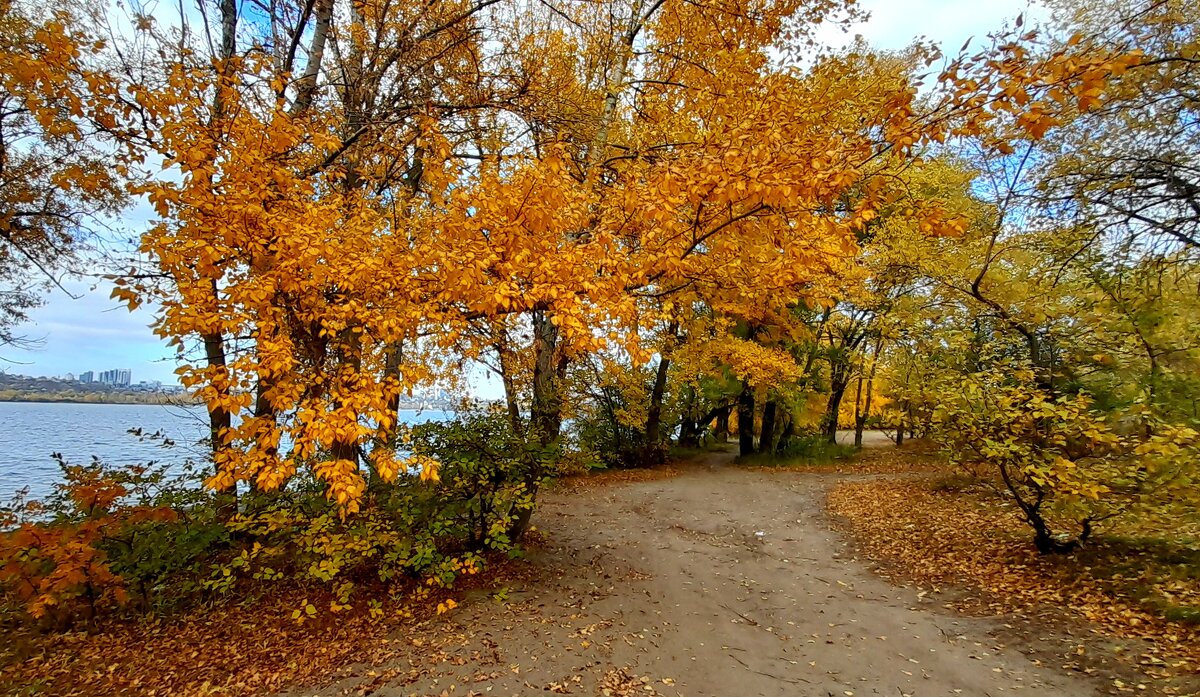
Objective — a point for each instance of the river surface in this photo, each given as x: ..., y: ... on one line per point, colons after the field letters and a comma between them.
x: 30, y: 432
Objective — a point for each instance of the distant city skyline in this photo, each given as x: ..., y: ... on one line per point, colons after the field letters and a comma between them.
x: 88, y: 327
x: 120, y: 377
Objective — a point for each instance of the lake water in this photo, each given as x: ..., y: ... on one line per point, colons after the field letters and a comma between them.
x: 30, y: 432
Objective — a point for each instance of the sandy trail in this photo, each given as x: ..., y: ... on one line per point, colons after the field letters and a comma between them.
x: 716, y: 582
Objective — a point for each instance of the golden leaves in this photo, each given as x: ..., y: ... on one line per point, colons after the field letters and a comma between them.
x: 428, y: 467
x: 712, y: 178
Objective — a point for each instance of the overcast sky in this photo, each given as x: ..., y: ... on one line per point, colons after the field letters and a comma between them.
x: 91, y: 332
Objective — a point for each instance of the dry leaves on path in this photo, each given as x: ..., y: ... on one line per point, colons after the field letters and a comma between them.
x: 940, y: 538
x: 230, y: 649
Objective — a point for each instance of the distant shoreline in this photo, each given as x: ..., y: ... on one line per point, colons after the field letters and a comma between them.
x: 165, y: 400
x: 168, y: 401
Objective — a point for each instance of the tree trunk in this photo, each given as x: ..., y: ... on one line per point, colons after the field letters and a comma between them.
x: 654, y: 413
x: 614, y: 87
x: 219, y: 419
x: 860, y: 419
x: 510, y: 401
x: 545, y: 414
x: 839, y: 379
x: 506, y: 361
x: 1046, y: 543
x: 395, y: 357
x: 689, y: 433
x: 265, y: 417
x: 219, y: 422
x: 653, y: 434
x: 307, y: 84
x: 689, y: 430
x: 785, y: 433
x: 766, y: 440
x: 545, y: 411
x: 745, y: 414
x: 722, y: 428
x: 349, y: 353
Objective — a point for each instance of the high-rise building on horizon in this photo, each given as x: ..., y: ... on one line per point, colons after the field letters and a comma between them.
x: 117, y: 377
x: 87, y: 377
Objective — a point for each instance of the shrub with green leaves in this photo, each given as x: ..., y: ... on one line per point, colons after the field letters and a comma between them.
x: 1064, y: 464
x: 474, y: 496
x: 490, y: 475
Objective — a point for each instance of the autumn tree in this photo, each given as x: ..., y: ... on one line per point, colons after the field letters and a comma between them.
x: 1038, y: 358
x: 1127, y: 168
x: 356, y: 199
x: 312, y: 160
x: 56, y: 185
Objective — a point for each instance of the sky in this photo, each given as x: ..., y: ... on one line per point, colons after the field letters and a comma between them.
x: 85, y: 330
x: 894, y: 24
x: 79, y: 328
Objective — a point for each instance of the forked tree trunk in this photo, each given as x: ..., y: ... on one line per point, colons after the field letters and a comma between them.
x: 545, y: 411
x: 839, y: 381
x: 307, y: 84
x: 1031, y: 506
x: 861, y: 421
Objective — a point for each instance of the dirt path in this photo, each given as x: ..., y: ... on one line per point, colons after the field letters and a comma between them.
x: 716, y: 582
x: 871, y: 439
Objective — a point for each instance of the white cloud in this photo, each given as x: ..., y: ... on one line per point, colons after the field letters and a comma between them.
x: 894, y: 24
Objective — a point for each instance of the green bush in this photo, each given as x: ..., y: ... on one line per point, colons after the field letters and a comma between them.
x: 479, y: 502
x: 489, y: 474
x: 803, y: 450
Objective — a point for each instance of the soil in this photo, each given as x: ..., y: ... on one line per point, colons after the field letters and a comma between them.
x: 717, y: 581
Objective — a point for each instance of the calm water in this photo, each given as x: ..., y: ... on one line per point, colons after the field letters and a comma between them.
x: 30, y: 432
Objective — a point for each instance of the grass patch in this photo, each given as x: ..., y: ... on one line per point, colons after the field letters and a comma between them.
x: 810, y: 451
x: 1161, y: 574
x: 680, y: 453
